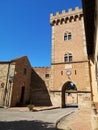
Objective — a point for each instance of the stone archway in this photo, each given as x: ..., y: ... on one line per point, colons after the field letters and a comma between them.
x: 69, y: 95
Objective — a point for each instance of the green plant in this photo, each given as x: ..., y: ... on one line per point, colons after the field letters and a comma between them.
x: 30, y: 106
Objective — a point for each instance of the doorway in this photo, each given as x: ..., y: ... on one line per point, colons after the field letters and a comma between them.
x: 69, y: 95
x: 22, y: 94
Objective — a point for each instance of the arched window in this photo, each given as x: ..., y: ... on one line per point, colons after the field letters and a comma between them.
x: 68, y: 57
x: 67, y: 36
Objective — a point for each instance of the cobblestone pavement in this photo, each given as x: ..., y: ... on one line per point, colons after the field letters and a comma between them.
x: 13, y: 119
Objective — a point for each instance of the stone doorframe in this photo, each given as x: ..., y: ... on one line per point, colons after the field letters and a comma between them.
x: 67, y: 89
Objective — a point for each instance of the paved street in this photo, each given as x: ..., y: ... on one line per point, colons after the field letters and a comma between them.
x: 37, y: 120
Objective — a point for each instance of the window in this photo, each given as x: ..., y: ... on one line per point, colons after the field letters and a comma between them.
x: 68, y: 57
x: 25, y: 71
x: 47, y: 75
x: 67, y: 36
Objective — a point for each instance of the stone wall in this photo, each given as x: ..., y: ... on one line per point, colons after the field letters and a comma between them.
x: 3, y: 80
x: 21, y: 82
x: 40, y: 86
x: 6, y: 73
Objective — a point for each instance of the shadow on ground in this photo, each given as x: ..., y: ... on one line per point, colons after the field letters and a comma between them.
x: 26, y: 125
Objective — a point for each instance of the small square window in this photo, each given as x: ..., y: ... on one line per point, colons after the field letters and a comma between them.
x: 47, y: 75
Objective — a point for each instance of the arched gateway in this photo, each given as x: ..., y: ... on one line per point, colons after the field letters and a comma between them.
x: 69, y: 95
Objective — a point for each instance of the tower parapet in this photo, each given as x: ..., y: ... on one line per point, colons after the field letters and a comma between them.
x: 65, y: 17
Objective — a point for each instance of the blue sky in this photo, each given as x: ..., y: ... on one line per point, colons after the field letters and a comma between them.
x: 25, y: 28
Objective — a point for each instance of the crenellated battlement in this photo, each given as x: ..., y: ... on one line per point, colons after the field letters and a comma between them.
x: 65, y: 17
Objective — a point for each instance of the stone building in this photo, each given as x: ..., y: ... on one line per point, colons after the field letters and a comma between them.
x: 15, y: 82
x: 70, y: 71
x: 90, y: 10
x: 69, y: 81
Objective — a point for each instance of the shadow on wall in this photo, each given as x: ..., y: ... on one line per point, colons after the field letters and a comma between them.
x: 39, y: 92
x: 26, y: 125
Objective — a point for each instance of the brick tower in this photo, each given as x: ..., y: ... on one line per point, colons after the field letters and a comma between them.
x: 70, y: 80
